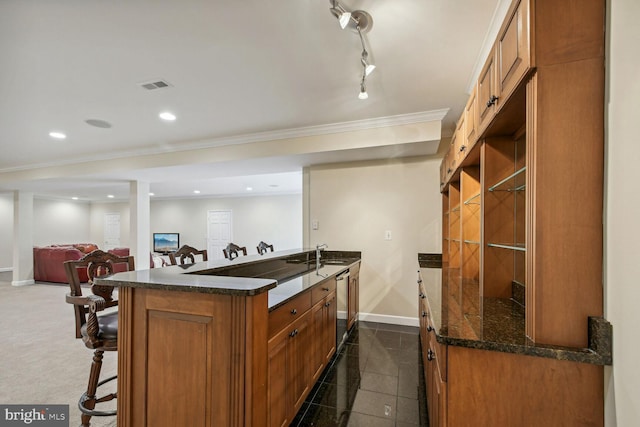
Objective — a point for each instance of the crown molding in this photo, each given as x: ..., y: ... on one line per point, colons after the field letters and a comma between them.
x: 302, y: 132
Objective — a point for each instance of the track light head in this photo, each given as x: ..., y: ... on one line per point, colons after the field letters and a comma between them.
x: 368, y: 68
x: 339, y: 12
x: 344, y: 19
x: 363, y: 92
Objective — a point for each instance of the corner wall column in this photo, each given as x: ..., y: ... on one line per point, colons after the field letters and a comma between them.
x: 140, y: 214
x: 22, y: 239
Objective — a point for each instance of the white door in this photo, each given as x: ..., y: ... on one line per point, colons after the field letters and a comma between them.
x: 111, y: 231
x: 218, y: 233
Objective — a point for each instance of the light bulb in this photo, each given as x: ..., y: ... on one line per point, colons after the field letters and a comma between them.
x: 363, y: 94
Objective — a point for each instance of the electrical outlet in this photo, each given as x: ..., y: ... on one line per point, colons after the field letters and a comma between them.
x: 315, y: 224
x: 387, y: 235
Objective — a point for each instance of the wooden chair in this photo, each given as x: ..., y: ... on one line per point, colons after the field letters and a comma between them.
x: 232, y: 251
x: 99, y: 332
x: 186, y: 252
x: 262, y: 248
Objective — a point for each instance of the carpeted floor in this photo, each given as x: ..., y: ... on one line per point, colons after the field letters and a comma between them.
x: 41, y: 361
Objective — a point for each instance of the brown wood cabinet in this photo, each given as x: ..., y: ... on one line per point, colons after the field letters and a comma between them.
x: 186, y: 358
x: 508, y: 63
x: 540, y: 200
x: 300, y: 350
x: 470, y: 120
x: 487, y: 93
x: 290, y: 353
x: 522, y: 210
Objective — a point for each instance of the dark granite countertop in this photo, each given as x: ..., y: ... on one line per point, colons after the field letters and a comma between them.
x: 462, y: 318
x: 290, y: 288
x: 245, y: 275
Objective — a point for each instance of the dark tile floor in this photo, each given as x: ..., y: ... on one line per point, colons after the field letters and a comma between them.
x: 375, y: 380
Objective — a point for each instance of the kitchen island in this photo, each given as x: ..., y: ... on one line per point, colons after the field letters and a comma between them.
x: 226, y: 343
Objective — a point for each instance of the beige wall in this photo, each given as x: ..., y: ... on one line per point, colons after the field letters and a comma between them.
x: 355, y: 203
x: 60, y: 221
x: 622, y: 213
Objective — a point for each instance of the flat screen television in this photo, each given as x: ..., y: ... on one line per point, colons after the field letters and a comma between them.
x: 166, y: 242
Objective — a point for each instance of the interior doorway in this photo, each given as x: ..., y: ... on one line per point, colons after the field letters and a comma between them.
x: 219, y: 232
x: 111, y: 231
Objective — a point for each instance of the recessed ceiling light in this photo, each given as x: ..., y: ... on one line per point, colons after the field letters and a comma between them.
x: 57, y: 135
x: 167, y: 116
x: 196, y: 191
x: 152, y: 194
x: 274, y: 185
x: 111, y: 196
x: 249, y: 188
x: 74, y: 198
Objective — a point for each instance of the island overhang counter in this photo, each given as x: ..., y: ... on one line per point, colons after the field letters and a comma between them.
x: 193, y: 343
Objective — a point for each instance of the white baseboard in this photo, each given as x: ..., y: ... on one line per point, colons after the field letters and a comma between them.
x: 385, y: 318
x: 3, y: 269
x: 23, y: 282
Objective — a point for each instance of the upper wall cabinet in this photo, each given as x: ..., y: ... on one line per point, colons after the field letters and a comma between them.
x: 508, y: 62
x: 512, y: 52
x: 487, y: 92
x: 470, y: 119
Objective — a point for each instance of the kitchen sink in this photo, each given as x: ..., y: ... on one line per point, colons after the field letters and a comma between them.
x: 336, y: 261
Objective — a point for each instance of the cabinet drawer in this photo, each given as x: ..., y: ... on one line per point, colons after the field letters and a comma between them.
x: 287, y: 313
x: 322, y: 290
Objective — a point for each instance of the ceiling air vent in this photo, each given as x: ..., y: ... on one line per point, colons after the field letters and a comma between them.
x: 156, y: 84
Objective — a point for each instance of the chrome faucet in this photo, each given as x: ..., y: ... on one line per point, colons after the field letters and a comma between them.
x: 318, y: 247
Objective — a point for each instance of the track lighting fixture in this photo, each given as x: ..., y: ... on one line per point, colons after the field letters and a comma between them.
x: 360, y: 21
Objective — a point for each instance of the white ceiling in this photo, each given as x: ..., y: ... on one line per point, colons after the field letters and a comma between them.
x: 236, y: 68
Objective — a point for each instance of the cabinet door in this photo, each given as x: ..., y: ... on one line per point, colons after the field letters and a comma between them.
x: 289, y: 377
x: 279, y: 406
x: 319, y: 345
x: 460, y: 145
x: 300, y: 352
x: 329, y: 328
x: 512, y: 51
x: 470, y: 118
x: 487, y: 93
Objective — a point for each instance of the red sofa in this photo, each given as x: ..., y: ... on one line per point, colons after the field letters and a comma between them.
x: 48, y: 261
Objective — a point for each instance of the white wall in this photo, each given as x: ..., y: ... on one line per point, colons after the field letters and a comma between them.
x: 622, y: 267
x: 6, y: 231
x: 276, y: 220
x: 355, y: 203
x: 59, y: 221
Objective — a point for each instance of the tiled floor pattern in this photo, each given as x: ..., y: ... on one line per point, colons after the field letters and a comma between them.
x: 375, y: 381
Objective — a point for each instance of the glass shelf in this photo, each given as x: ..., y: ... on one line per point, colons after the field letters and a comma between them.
x: 508, y: 185
x: 516, y: 247
x: 472, y: 200
x: 472, y: 242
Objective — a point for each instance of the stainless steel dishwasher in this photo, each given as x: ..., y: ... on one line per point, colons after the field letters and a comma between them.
x: 342, y: 293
